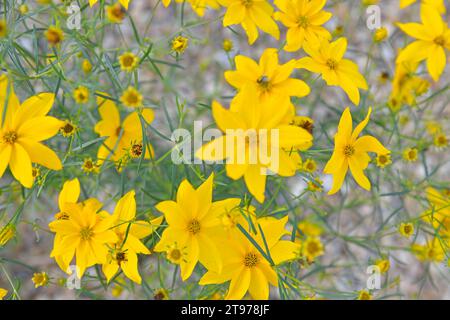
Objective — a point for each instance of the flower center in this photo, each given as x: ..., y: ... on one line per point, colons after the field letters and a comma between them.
x: 251, y: 260
x: 313, y: 247
x: 86, y: 233
x: 121, y: 257
x: 382, y: 159
x: 247, y: 3
x: 332, y: 64
x: 128, y: 61
x: 349, y: 150
x: 440, y: 41
x: 132, y: 98
x: 10, y: 137
x: 175, y: 254
x: 303, y: 22
x: 407, y: 229
x: 136, y: 150
x: 264, y: 83
x: 194, y: 226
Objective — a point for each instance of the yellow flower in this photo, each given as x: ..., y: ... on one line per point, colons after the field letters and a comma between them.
x: 309, y: 165
x: 3, y: 293
x: 7, y: 232
x: 432, y: 251
x: 438, y: 4
x: 315, y: 185
x: 40, y: 279
x: 248, y: 136
x: 123, y: 253
x: 244, y: 264
x: 433, y: 127
x: 383, y: 264
x: 124, y: 3
x: 410, y: 154
x: 227, y: 45
x: 84, y: 233
x: 309, y: 229
x: 268, y: 79
x: 383, y: 160
x: 304, y: 20
x: 81, y: 94
x: 327, y: 59
x: 86, y: 66
x: 179, y: 44
x: 161, y: 294
x: 251, y: 15
x: 364, y: 295
x: 24, y: 128
x: 380, y: 34
x: 89, y: 166
x: 352, y: 152
x: 3, y: 28
x: 68, y: 129
x: 23, y: 9
x: 115, y: 13
x: 194, y: 225
x: 304, y: 122
x: 54, y: 35
x: 128, y: 61
x: 116, y: 290
x: 120, y: 135
x: 131, y: 97
x: 439, y: 213
x: 312, y: 248
x: 433, y: 37
x: 406, y: 229
x: 440, y: 140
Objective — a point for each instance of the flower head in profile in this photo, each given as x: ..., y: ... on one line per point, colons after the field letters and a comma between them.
x: 406, y: 229
x: 432, y: 251
x: 121, y: 135
x: 351, y: 152
x: 179, y: 44
x: 432, y: 40
x: 115, y: 13
x: 304, y: 20
x: 267, y: 78
x: 24, y: 128
x: 40, y: 279
x: 194, y: 226
x: 257, y: 140
x: 327, y: 59
x: 54, y: 35
x: 123, y: 254
x: 247, y: 269
x: 252, y: 15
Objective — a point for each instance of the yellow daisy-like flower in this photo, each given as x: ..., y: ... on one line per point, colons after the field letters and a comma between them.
x: 121, y: 135
x: 124, y: 252
x: 3, y: 293
x: 23, y: 9
x: 327, y: 59
x: 351, y: 152
x: 3, y: 28
x: 7, y: 232
x: 406, y: 229
x: 115, y: 13
x: 179, y: 44
x: 304, y: 20
x: 90, y: 166
x: 251, y: 14
x: 438, y: 4
x: 244, y: 265
x: 267, y: 78
x: 309, y: 165
x: 432, y: 251
x: 383, y: 160
x: 68, y: 129
x: 40, y: 279
x: 311, y: 248
x: 440, y: 140
x: 194, y: 224
x: 54, y: 35
x: 161, y: 294
x: 86, y: 66
x: 383, y: 264
x: 227, y: 45
x: 81, y: 94
x: 132, y: 98
x: 433, y: 38
x: 128, y: 61
x: 124, y: 3
x: 24, y: 128
x: 410, y: 154
x: 315, y: 185
x: 364, y: 295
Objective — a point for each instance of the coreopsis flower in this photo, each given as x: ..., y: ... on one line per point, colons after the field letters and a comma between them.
x: 267, y: 78
x: 311, y: 248
x: 198, y: 6
x: 68, y: 129
x: 123, y: 254
x: 406, y: 229
x: 364, y: 295
x: 161, y: 294
x: 383, y: 160
x: 304, y: 20
x: 3, y: 293
x: 309, y: 229
x: 432, y: 251
x: 128, y: 61
x: 7, y: 232
x: 40, y: 279
x: 194, y: 226
x: 327, y: 59
x: 309, y: 165
x: 23, y: 9
x: 24, y: 128
x: 115, y: 13
x: 124, y: 3
x: 84, y: 234
x: 81, y: 94
x: 383, y: 264
x: 244, y: 265
x: 227, y: 45
x: 351, y: 152
x: 3, y: 28
x: 410, y: 154
x: 251, y: 15
x: 131, y: 98
x: 432, y: 39
x: 179, y: 44
x: 257, y: 140
x: 86, y: 66
x: 90, y: 166
x: 120, y: 135
x: 54, y: 35
x: 438, y: 4
x: 440, y: 140
x: 380, y: 34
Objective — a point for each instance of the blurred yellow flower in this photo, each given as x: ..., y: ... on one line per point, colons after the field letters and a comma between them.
x: 383, y: 264
x: 3, y: 28
x: 128, y: 61
x: 3, y: 293
x: 86, y: 66
x: 227, y: 45
x: 383, y: 160
x: 410, y: 154
x: 7, y: 232
x: 132, y: 98
x: 40, y: 279
x: 380, y: 34
x: 406, y: 229
x: 54, y: 35
x: 179, y: 44
x: 312, y: 248
x: 68, y: 129
x: 115, y: 13
x: 81, y: 94
x: 364, y: 295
